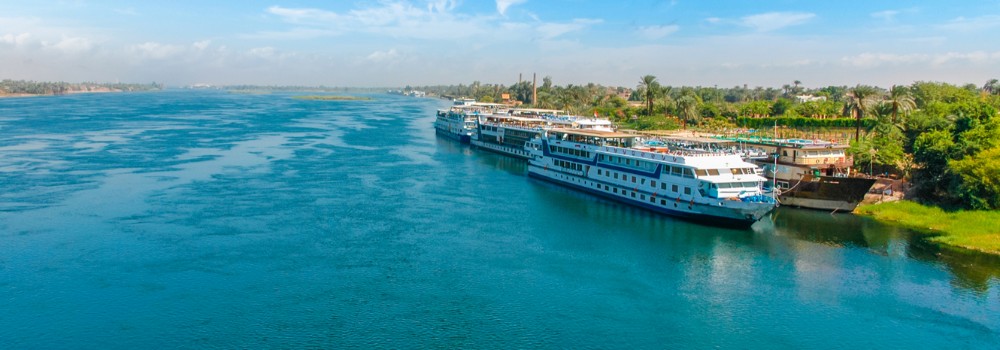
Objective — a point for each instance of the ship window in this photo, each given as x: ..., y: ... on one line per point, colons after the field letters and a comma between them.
x: 598, y: 171
x: 673, y: 188
x: 642, y: 181
x: 663, y: 202
x: 642, y: 197
x: 616, y: 176
x: 615, y: 190
x: 784, y: 153
x: 638, y: 163
x: 633, y: 179
x: 676, y: 171
x: 688, y: 172
x: 663, y: 185
x: 749, y: 184
x: 652, y: 183
x: 701, y: 172
x: 687, y: 190
x: 628, y: 162
x: 606, y: 188
x: 736, y: 171
x: 713, y: 172
x: 633, y: 194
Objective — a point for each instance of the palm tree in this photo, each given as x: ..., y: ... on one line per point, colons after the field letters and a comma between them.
x: 651, y: 87
x: 687, y: 107
x: 992, y: 86
x: 900, y: 103
x: 860, y: 100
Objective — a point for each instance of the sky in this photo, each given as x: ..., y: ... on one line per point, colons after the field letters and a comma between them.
x: 394, y: 43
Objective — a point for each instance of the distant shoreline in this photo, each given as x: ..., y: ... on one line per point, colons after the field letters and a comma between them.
x: 7, y: 95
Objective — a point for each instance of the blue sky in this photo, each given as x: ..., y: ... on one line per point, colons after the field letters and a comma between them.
x: 420, y: 42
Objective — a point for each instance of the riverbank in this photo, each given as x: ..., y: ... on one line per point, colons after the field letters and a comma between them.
x: 973, y: 230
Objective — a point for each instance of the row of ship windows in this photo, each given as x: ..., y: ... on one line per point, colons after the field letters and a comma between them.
x: 673, y: 170
x: 568, y: 165
x: 628, y: 162
x: 641, y: 181
x: 624, y: 192
x: 569, y: 151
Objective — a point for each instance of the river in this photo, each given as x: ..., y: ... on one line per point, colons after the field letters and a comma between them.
x: 215, y: 220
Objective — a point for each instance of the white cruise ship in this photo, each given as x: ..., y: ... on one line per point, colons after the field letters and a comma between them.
x: 459, y: 121
x: 507, y: 132
x: 716, y: 188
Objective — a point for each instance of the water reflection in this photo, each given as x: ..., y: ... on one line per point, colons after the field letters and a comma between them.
x: 787, y: 231
x: 971, y: 270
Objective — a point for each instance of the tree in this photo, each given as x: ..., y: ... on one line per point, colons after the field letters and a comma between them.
x: 977, y: 177
x: 992, y: 87
x: 687, y: 107
x: 651, y: 87
x: 860, y: 100
x: 901, y: 103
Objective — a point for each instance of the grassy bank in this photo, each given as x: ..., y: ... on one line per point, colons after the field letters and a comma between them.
x: 332, y: 98
x: 975, y: 230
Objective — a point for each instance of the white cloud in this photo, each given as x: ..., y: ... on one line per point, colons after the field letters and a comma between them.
x: 713, y: 20
x: 887, y: 15
x: 15, y: 40
x: 872, y: 60
x: 383, y: 56
x: 657, y: 32
x: 72, y: 45
x: 553, y: 30
x: 502, y: 5
x: 156, y: 51
x: 263, y: 52
x: 393, y: 19
x: 201, y: 45
x: 766, y: 22
x: 126, y: 11
x: 975, y: 24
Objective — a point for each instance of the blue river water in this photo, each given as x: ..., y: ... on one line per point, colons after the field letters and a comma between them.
x: 204, y: 219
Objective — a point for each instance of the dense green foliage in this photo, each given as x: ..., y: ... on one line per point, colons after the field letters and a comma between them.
x: 8, y: 86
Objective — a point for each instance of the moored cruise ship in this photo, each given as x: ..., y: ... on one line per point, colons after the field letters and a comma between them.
x: 715, y: 188
x: 459, y: 121
x: 507, y: 133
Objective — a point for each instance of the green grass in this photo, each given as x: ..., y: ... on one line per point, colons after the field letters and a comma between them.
x: 975, y: 230
x: 332, y: 98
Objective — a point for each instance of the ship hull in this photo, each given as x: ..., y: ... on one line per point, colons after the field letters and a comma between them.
x: 841, y: 194
x: 701, y: 213
x: 511, y: 151
x: 457, y: 137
